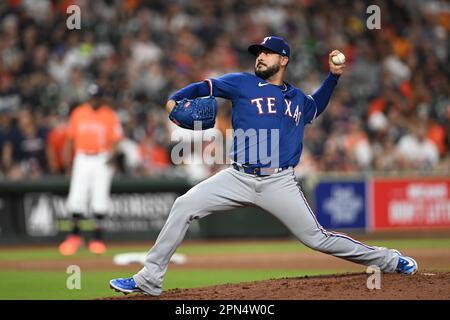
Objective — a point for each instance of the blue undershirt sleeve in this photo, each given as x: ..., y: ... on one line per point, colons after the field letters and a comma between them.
x: 192, y: 91
x: 227, y: 86
x: 318, y: 101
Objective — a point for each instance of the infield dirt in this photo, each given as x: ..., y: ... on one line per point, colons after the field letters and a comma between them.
x: 430, y: 283
x: 426, y: 285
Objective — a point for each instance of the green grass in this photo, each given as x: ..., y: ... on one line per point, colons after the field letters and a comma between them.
x: 191, y: 249
x: 443, y: 243
x: 295, y: 246
x: 215, y: 248
x: 94, y: 284
x: 39, y: 254
x: 52, y: 284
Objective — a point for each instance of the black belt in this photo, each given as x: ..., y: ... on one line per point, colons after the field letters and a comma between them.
x: 259, y: 171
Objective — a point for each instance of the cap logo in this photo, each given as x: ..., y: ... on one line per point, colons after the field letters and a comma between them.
x: 284, y: 51
x: 93, y: 89
x: 265, y: 39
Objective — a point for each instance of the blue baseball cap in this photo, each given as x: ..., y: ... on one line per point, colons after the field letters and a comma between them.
x: 272, y: 43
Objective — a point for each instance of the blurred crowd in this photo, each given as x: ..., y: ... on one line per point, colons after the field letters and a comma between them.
x: 390, y: 112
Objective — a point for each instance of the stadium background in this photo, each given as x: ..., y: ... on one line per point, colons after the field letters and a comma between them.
x: 379, y: 153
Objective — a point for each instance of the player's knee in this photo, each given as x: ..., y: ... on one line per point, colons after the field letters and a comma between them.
x: 186, y: 205
x: 313, y: 239
x: 309, y: 243
x: 181, y: 202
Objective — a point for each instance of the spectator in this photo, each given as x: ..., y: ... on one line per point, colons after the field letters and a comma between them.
x: 5, y: 123
x: 57, y: 139
x: 139, y: 51
x: 357, y: 146
x: 24, y: 151
x: 155, y: 159
x: 416, y: 151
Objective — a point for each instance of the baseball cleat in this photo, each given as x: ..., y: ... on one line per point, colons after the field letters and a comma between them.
x: 124, y: 285
x: 406, y: 265
x: 97, y: 247
x: 70, y: 245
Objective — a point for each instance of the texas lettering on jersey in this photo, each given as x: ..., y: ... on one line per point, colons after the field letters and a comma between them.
x: 261, y: 107
x: 271, y: 107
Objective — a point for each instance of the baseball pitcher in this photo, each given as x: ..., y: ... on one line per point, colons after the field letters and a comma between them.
x: 268, y: 114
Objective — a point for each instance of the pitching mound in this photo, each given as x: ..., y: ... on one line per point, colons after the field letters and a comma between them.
x: 432, y: 285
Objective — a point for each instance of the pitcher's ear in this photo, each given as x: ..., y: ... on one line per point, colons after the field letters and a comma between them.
x: 284, y: 61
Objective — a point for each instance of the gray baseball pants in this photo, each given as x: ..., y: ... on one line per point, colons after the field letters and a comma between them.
x: 279, y: 195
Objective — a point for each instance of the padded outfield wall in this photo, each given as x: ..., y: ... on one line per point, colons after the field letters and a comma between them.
x: 35, y: 211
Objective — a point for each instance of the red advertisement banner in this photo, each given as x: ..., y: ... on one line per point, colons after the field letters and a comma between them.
x: 410, y: 203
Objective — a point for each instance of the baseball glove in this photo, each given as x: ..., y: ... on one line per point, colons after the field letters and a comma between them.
x: 186, y: 112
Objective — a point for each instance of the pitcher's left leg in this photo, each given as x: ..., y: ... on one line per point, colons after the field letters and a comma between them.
x: 283, y: 198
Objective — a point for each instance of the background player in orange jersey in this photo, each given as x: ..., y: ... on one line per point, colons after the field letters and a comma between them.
x: 93, y: 133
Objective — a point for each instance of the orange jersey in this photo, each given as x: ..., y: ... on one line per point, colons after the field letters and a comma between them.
x: 154, y: 156
x: 56, y: 141
x: 94, y: 131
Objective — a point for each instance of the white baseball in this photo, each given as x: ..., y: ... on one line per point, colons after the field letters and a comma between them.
x: 338, y: 59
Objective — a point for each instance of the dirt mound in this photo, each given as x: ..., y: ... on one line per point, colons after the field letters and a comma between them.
x: 431, y: 285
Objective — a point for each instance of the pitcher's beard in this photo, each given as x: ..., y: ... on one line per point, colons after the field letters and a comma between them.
x: 270, y: 71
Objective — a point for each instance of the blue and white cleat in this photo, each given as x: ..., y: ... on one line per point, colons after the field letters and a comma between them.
x: 406, y: 265
x: 124, y: 285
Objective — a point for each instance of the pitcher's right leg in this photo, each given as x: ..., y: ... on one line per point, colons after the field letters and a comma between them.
x: 223, y: 191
